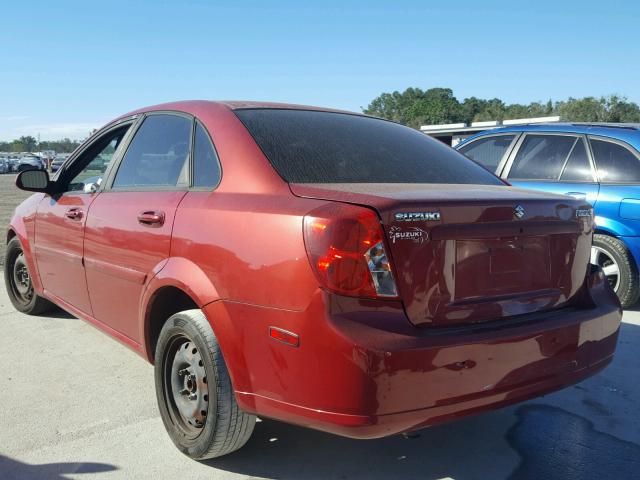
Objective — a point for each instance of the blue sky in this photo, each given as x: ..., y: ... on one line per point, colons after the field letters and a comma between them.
x: 69, y: 66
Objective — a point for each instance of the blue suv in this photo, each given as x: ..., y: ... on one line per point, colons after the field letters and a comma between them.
x: 596, y: 162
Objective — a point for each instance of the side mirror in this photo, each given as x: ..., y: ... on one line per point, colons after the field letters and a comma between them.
x: 34, y: 181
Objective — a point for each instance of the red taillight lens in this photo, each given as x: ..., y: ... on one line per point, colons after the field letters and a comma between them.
x: 346, y: 250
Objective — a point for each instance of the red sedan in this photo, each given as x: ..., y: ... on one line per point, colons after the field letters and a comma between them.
x: 318, y: 267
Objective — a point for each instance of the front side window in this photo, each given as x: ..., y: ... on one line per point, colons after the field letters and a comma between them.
x: 615, y: 163
x: 542, y: 157
x: 206, y: 168
x: 157, y: 155
x: 308, y: 146
x: 91, y: 166
x: 488, y: 151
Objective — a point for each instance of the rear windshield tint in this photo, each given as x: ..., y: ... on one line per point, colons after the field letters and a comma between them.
x: 306, y: 146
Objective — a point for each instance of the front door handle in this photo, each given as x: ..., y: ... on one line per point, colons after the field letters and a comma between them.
x: 151, y: 218
x: 74, y: 213
x: 577, y: 195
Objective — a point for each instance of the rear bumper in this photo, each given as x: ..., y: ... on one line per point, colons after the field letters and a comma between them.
x: 377, y: 426
x: 368, y: 375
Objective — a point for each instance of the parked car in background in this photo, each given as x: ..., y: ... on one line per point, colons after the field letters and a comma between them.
x: 4, y: 165
x: 57, y: 162
x: 322, y: 268
x: 12, y: 162
x: 599, y: 163
x: 30, y: 163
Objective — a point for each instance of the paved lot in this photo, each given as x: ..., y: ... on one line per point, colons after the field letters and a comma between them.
x: 76, y: 404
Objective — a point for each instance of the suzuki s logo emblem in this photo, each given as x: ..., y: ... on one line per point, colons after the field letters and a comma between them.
x: 518, y: 211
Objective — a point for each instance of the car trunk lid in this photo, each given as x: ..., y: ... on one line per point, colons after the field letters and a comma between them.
x: 474, y: 253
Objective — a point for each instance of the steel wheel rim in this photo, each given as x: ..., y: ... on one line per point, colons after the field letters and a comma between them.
x: 610, y: 267
x: 21, y: 280
x: 185, y: 385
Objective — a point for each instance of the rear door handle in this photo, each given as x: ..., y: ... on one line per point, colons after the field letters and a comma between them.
x: 74, y: 213
x: 151, y: 218
x: 577, y: 195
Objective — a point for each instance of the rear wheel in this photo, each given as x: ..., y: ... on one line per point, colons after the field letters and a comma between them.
x: 194, y: 391
x: 17, y: 279
x: 618, y: 266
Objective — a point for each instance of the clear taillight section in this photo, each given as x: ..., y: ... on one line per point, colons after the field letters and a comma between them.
x: 346, y: 250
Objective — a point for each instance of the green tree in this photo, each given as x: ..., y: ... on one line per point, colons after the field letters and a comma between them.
x: 588, y: 109
x: 620, y: 110
x: 415, y: 107
x: 494, y: 109
x: 437, y: 105
x: 23, y: 144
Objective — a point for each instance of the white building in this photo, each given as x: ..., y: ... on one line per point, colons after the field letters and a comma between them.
x: 454, y: 133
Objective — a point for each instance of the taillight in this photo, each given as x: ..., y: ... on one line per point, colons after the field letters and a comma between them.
x: 346, y: 250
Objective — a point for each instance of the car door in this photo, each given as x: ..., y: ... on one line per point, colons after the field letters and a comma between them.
x: 128, y: 229
x: 60, y: 219
x: 553, y: 162
x: 490, y: 151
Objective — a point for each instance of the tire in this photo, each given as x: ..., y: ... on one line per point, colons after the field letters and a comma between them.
x: 613, y: 256
x: 19, y: 286
x: 191, y: 376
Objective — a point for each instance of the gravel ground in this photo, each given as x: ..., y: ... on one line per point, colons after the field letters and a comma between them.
x: 10, y: 197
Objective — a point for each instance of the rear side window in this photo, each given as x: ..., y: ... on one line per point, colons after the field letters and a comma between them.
x: 307, y: 146
x: 157, y: 155
x: 488, y: 151
x: 542, y: 157
x: 206, y: 168
x: 577, y: 167
x: 615, y: 163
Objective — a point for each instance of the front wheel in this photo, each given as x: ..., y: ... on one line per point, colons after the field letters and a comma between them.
x: 618, y: 267
x: 17, y: 280
x: 194, y: 392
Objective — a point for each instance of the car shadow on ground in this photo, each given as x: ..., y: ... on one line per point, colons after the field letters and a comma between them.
x: 546, y: 443
x: 13, y: 469
x: 281, y: 451
x: 59, y: 313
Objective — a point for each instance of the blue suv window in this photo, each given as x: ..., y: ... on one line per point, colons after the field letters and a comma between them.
x: 577, y: 168
x: 542, y: 157
x: 488, y: 151
x: 615, y: 163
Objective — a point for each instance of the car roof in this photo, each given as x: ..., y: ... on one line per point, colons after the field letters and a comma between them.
x: 195, y: 106
x: 191, y: 105
x: 627, y: 132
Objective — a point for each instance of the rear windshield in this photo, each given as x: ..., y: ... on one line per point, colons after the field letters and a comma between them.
x: 306, y: 146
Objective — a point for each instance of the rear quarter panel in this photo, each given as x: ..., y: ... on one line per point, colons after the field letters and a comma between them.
x: 618, y: 209
x: 249, y: 247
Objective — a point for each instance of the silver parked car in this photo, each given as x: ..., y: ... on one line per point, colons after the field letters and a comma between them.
x: 57, y: 162
x: 31, y: 163
x: 13, y: 164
